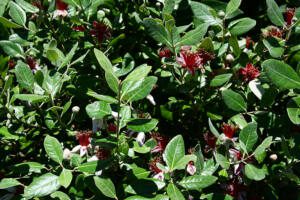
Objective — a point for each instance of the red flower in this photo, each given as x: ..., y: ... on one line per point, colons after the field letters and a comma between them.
x: 80, y: 28
x: 165, y: 53
x: 210, y: 140
x: 100, y: 31
x: 228, y: 130
x: 249, y: 73
x: 289, y: 15
x: 60, y: 5
x: 84, y: 138
x: 162, y: 142
x: 236, y: 154
x: 249, y: 42
x: 193, y: 60
x: 103, y: 154
x: 274, y: 32
x: 112, y: 128
x: 11, y: 64
x: 235, y: 189
x: 152, y: 165
x: 31, y: 62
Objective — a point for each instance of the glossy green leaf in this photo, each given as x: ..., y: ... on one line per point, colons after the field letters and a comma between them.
x: 281, y: 74
x: 275, y: 50
x: 93, y: 166
x: 138, y: 73
x: 194, y: 36
x: 17, y: 13
x: 60, y: 195
x: 254, y: 173
x: 174, y: 152
x: 100, y: 97
x: 260, y: 151
x: 156, y: 30
x: 182, y: 163
x: 204, y: 13
x: 27, y: 6
x: 241, y: 26
x: 232, y: 6
x: 234, y: 100
x: 106, y: 186
x: 293, y: 110
x: 274, y: 13
x: 65, y: 177
x: 42, y: 186
x: 197, y: 182
x: 220, y: 80
x: 174, y: 193
x: 248, y: 136
x: 8, y: 182
x: 9, y: 24
x: 12, y: 49
x: 213, y: 129
x: 222, y: 160
x: 142, y: 125
x: 24, y: 76
x: 3, y: 5
x: 98, y: 109
x: 53, y: 149
x: 33, y: 98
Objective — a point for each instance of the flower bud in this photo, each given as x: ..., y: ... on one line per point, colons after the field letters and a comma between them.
x: 158, y: 4
x: 273, y: 157
x: 191, y: 169
x: 221, y: 14
x: 151, y: 99
x: 100, y: 14
x: 140, y: 138
x: 8, y: 116
x: 75, y: 109
x: 67, y: 154
x: 229, y: 58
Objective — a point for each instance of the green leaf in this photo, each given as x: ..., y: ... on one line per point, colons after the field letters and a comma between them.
x: 105, y: 98
x: 24, y: 76
x: 281, y: 74
x: 68, y: 57
x: 65, y: 177
x: 53, y: 149
x: 106, y: 186
x: 274, y: 13
x: 156, y: 30
x: 241, y: 26
x: 111, y: 78
x: 17, y: 13
x: 174, y: 152
x: 27, y: 6
x: 125, y: 114
x: 33, y: 98
x: 60, y: 195
x: 232, y: 6
x: 254, y: 173
x: 8, y: 182
x: 182, y: 163
x: 140, y: 90
x: 30, y: 167
x: 248, y: 136
x: 222, y: 160
x: 8, y: 24
x: 42, y: 186
x: 273, y: 46
x: 174, y: 193
x: 207, y: 44
x: 157, y: 197
x: 197, y: 182
x: 138, y: 73
x: 220, y: 80
x: 213, y: 129
x: 204, y: 13
x: 3, y: 5
x: 194, y: 36
x: 93, y: 166
x: 293, y: 110
x: 142, y: 125
x: 7, y: 135
x: 260, y: 151
x: 12, y: 49
x: 234, y: 43
x: 234, y: 100
x: 98, y: 109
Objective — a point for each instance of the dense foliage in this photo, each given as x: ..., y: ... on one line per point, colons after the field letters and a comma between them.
x: 141, y: 100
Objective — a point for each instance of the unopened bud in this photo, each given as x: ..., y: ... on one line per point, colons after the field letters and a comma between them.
x: 140, y: 138
x: 67, y: 154
x: 158, y: 4
x: 229, y: 58
x: 8, y: 116
x: 273, y: 157
x: 100, y: 14
x: 221, y: 13
x: 151, y: 99
x: 75, y: 109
